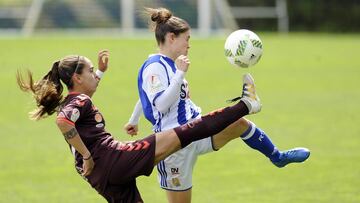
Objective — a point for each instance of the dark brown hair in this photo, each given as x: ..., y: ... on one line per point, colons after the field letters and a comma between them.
x: 48, y: 91
x: 164, y: 22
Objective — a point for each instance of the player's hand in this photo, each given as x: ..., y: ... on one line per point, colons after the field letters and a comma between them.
x: 103, y: 59
x: 182, y: 63
x: 88, y: 166
x: 131, y: 129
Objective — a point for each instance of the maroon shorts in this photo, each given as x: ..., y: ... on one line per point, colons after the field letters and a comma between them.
x: 130, y: 160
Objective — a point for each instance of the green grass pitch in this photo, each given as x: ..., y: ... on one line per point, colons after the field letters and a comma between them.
x: 308, y: 84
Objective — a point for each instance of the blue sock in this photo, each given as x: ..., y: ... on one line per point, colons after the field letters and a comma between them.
x: 255, y: 138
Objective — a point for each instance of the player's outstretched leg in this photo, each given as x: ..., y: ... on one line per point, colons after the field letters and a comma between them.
x: 257, y: 139
x: 218, y: 120
x: 207, y: 125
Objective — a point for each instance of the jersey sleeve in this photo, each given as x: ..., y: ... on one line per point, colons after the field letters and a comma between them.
x: 172, y: 93
x: 135, y: 116
x: 155, y: 81
x: 74, y: 110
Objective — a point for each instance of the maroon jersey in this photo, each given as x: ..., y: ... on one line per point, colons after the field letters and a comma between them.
x: 79, y: 111
x: 116, y: 164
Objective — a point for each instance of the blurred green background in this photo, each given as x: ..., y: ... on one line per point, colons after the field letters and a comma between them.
x: 308, y: 83
x: 303, y: 15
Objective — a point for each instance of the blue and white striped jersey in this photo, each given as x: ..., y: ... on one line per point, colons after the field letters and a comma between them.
x: 154, y: 78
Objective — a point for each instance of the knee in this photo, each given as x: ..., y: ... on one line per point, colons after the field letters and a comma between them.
x: 243, y: 123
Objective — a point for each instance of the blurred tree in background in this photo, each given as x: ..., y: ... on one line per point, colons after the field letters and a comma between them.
x: 325, y: 15
x: 304, y: 15
x: 309, y: 15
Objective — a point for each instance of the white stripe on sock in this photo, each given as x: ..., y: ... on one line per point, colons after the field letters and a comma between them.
x: 251, y: 133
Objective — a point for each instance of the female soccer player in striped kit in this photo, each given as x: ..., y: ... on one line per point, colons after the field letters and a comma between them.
x: 110, y: 166
x: 165, y: 102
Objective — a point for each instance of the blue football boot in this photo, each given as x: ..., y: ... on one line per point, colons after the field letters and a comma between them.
x: 296, y: 155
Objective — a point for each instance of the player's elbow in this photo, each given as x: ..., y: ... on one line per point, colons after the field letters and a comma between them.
x: 161, y: 108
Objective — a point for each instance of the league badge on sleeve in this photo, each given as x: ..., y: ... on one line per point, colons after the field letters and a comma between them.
x: 75, y: 114
x: 155, y: 84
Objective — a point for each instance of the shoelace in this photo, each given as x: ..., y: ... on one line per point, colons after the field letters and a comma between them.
x: 238, y: 98
x: 289, y: 153
x: 233, y: 100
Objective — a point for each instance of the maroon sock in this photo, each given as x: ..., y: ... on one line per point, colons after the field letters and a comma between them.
x: 210, y: 124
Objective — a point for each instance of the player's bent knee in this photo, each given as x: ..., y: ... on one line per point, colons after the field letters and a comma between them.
x: 243, y: 122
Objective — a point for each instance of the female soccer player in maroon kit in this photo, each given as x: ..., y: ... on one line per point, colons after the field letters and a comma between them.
x: 111, y: 166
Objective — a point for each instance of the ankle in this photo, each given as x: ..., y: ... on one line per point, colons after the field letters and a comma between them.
x: 275, y: 156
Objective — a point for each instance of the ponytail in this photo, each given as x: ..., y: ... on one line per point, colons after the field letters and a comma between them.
x: 47, y: 91
x: 159, y: 16
x: 164, y: 22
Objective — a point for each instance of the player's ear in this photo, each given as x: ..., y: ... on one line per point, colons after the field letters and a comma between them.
x: 76, y: 78
x: 171, y: 36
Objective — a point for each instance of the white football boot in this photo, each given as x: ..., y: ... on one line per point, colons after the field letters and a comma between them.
x: 249, y: 96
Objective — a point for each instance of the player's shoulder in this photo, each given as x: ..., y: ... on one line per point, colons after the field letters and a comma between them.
x: 79, y: 100
x: 82, y: 97
x: 154, y: 60
x: 153, y: 66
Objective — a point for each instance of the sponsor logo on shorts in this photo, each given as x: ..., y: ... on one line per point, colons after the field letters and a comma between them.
x: 174, y: 171
x: 176, y: 182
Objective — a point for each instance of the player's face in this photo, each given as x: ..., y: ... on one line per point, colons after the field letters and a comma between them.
x: 181, y: 43
x: 88, y: 80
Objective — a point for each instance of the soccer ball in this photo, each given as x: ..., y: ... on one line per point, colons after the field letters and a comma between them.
x: 243, y: 48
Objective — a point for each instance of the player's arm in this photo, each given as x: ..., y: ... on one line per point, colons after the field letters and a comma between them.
x: 103, y: 60
x: 162, y: 94
x: 171, y: 94
x: 131, y: 127
x: 72, y: 137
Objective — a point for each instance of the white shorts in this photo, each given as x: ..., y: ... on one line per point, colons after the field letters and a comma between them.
x: 175, y: 172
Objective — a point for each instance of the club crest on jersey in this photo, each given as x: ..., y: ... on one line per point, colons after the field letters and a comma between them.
x: 155, y: 84
x: 98, y: 118
x: 75, y: 114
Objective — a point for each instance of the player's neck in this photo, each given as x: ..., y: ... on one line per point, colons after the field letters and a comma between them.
x: 168, y: 54
x: 81, y: 91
